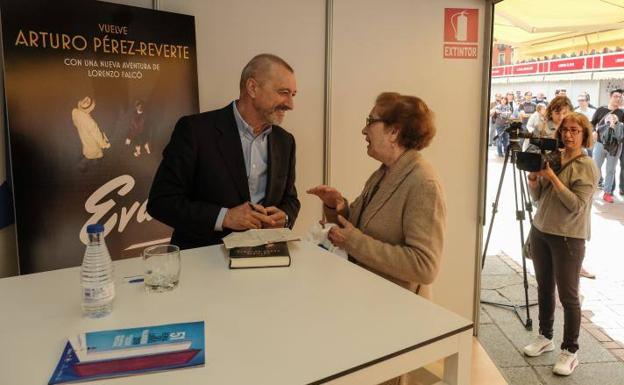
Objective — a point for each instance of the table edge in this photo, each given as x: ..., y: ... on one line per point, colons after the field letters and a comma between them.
x: 391, y: 355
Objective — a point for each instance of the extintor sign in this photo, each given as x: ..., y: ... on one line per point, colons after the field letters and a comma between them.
x: 461, y: 33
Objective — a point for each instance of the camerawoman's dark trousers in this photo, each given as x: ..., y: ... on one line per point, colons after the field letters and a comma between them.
x: 557, y: 261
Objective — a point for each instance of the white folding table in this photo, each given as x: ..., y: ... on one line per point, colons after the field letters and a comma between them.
x: 322, y: 320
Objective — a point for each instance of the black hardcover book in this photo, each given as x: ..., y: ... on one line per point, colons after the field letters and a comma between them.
x: 269, y: 255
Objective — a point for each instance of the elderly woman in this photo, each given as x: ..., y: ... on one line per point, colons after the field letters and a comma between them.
x: 395, y: 228
x: 557, y: 238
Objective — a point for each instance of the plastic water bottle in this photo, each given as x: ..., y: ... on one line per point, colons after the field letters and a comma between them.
x: 96, y: 275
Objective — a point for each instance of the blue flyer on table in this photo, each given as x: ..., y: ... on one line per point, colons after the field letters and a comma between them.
x: 123, y: 352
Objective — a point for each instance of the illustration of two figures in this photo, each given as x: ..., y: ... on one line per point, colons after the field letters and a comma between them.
x: 94, y: 140
x: 137, y: 134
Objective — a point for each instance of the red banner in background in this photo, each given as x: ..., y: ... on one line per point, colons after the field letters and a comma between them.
x: 498, y: 71
x: 567, y: 65
x: 613, y: 61
x: 525, y: 69
x: 592, y: 62
x: 583, y: 63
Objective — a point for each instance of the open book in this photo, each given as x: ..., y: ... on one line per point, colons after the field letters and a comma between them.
x: 257, y: 237
x: 122, y: 352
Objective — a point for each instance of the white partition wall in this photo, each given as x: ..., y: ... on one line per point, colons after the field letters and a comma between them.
x: 397, y: 46
x: 229, y: 33
x: 375, y: 46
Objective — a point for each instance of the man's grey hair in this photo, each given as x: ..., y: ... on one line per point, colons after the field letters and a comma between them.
x: 259, y: 66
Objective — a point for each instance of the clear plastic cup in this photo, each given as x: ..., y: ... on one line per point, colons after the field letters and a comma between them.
x: 162, y: 267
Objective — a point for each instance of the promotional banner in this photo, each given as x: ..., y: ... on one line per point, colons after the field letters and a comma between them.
x: 93, y: 91
x: 6, y: 212
x: 610, y: 61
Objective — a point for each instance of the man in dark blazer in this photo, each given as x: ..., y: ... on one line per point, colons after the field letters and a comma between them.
x: 231, y: 169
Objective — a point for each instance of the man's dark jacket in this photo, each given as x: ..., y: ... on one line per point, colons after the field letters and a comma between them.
x: 203, y: 170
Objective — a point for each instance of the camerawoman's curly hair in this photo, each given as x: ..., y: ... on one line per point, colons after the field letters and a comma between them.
x: 557, y: 104
x: 410, y: 115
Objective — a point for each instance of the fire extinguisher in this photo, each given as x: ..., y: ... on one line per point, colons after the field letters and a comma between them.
x: 460, y: 25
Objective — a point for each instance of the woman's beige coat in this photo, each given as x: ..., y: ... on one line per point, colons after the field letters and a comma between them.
x: 400, y: 233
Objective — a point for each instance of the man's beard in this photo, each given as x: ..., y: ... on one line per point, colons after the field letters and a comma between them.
x: 277, y: 114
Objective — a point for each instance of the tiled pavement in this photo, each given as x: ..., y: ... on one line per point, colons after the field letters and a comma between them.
x: 503, y: 335
x: 602, y: 331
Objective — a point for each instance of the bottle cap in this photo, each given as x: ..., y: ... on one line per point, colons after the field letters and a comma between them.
x: 95, y: 228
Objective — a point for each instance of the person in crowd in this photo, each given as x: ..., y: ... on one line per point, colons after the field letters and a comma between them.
x: 557, y: 238
x: 541, y: 98
x: 585, y: 108
x: 493, y: 104
x: 610, y: 132
x: 395, y: 227
x: 536, y: 123
x: 501, y: 114
x: 511, y: 100
x: 93, y: 139
x: 561, y: 92
x: 615, y: 98
x: 559, y: 107
x: 232, y: 168
x: 526, y: 109
x: 621, y: 155
x: 585, y: 95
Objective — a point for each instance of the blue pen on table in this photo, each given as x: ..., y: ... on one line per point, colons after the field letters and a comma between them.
x: 134, y: 279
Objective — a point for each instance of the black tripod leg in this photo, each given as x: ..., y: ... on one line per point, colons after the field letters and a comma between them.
x: 519, y: 178
x: 528, y: 203
x: 495, y: 206
x: 509, y: 154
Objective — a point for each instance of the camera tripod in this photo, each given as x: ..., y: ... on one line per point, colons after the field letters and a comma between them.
x: 523, y: 204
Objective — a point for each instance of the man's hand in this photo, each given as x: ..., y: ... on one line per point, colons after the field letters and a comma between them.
x: 329, y: 195
x: 246, y: 216
x: 339, y: 236
x: 278, y: 217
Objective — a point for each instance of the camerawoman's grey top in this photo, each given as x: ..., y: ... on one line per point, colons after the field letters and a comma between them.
x: 567, y: 213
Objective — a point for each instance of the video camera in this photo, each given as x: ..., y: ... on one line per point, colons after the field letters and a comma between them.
x: 539, y: 152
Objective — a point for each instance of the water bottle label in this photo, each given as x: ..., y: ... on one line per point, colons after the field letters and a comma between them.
x: 96, y: 294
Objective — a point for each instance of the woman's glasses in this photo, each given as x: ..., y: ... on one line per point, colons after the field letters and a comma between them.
x: 571, y: 132
x: 370, y: 120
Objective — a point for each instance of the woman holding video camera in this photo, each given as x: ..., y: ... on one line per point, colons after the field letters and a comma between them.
x: 557, y: 238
